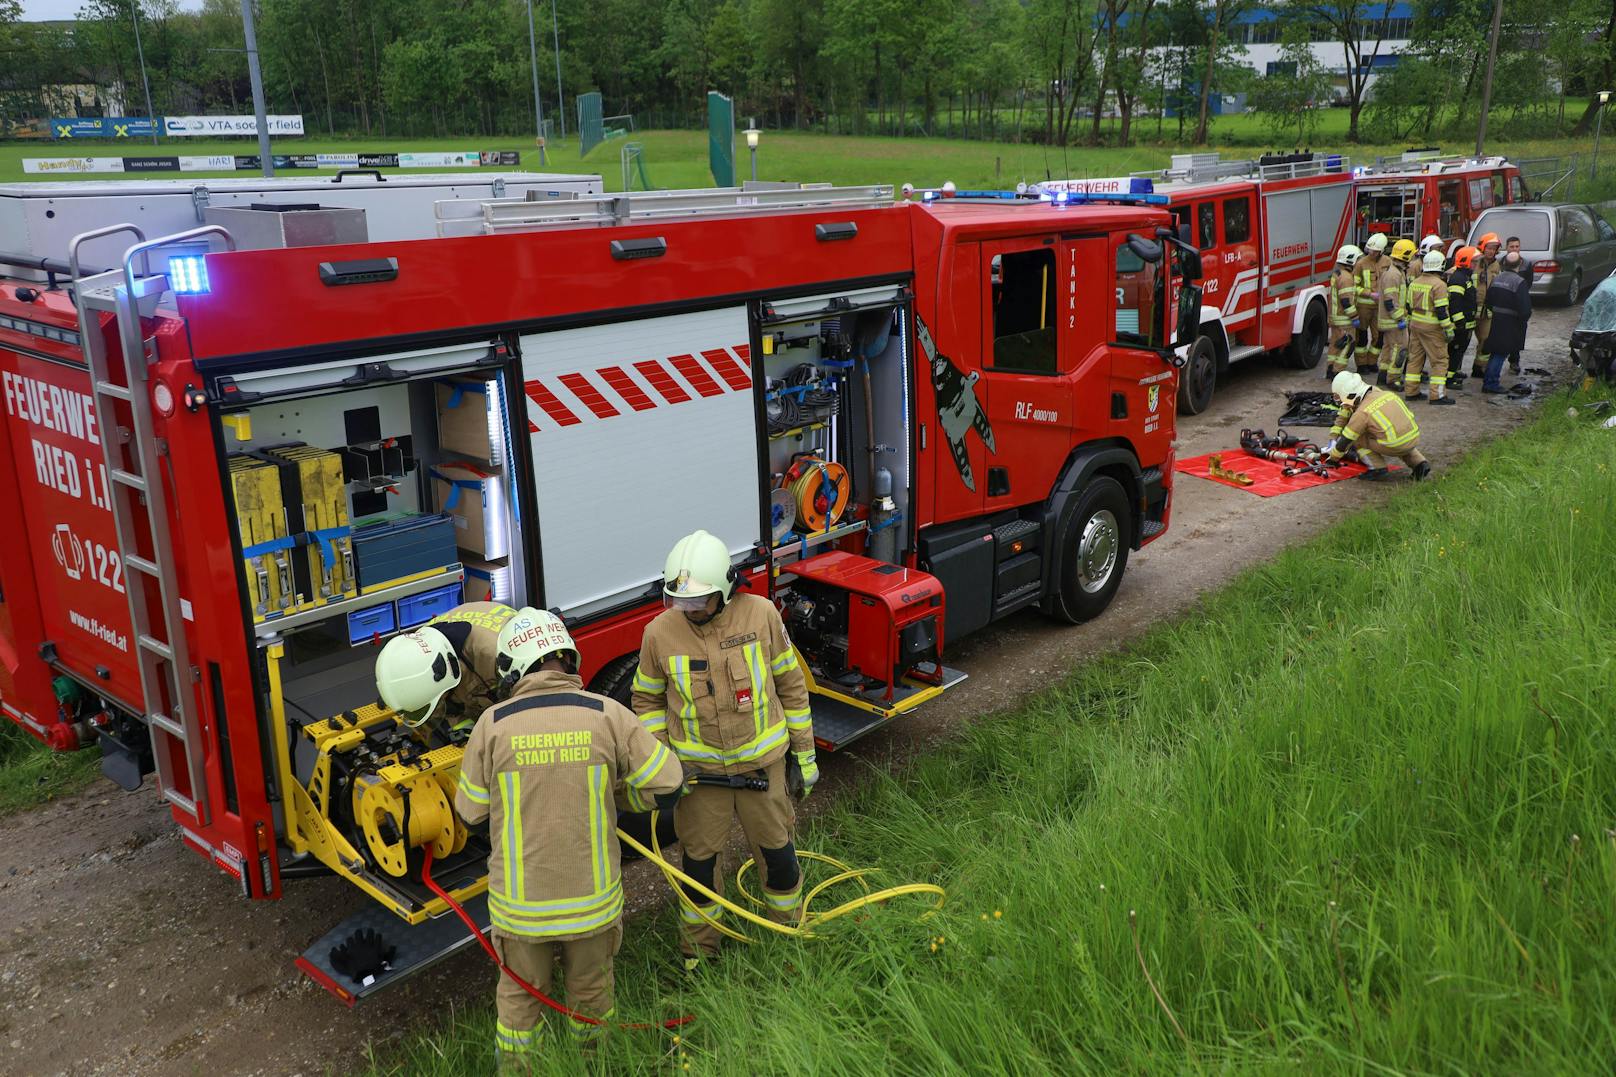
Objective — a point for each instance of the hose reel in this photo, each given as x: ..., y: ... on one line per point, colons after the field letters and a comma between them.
x: 820, y: 491
x: 397, y: 816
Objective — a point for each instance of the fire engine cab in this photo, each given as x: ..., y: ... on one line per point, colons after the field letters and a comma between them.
x: 1268, y: 231
x: 234, y: 472
x: 1422, y: 193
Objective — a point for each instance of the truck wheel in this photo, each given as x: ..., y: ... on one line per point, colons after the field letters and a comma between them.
x: 1198, y: 378
x: 1307, y: 346
x: 615, y: 681
x: 1094, y: 550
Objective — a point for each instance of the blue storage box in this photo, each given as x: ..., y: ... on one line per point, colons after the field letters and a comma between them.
x: 421, y: 608
x: 365, y: 624
x: 397, y: 546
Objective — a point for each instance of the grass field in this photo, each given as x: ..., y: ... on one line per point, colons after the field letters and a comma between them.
x: 32, y: 774
x: 1354, y: 814
x: 679, y: 158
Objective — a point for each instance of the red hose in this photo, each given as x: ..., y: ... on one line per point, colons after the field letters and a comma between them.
x: 493, y: 955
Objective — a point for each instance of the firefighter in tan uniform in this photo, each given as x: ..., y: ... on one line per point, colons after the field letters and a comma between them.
x: 1487, y: 270
x: 1430, y: 330
x: 1393, y: 315
x: 541, y: 767
x: 1378, y: 425
x: 719, y: 682
x: 452, y: 660
x: 1343, y: 311
x: 1367, y: 271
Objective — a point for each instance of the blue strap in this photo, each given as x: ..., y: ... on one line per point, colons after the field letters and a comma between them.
x: 327, y: 538
x: 455, y: 486
x: 460, y: 389
x: 285, y: 542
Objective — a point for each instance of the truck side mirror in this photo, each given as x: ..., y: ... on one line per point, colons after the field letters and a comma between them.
x: 1189, y: 315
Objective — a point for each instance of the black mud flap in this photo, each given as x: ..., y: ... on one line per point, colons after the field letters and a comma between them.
x: 838, y: 724
x: 414, y: 947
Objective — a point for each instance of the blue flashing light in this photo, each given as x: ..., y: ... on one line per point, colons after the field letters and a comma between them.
x: 188, y: 274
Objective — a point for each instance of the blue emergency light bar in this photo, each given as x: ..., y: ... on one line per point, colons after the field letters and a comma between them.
x: 188, y: 274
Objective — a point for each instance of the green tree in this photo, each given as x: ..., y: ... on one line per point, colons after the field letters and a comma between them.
x: 1290, y: 95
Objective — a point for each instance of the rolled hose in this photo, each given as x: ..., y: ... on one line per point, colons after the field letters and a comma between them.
x: 675, y: 877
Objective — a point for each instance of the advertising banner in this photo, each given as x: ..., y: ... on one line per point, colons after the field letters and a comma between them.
x: 47, y: 166
x: 440, y: 160
x: 104, y: 127
x: 228, y: 126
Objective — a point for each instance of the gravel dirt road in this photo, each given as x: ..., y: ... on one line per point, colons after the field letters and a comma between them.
x: 125, y: 953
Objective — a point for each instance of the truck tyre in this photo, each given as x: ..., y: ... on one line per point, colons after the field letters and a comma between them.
x: 614, y: 681
x: 1094, y: 549
x: 1307, y: 346
x: 1198, y: 378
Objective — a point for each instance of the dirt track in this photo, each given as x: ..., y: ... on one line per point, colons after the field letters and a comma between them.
x: 125, y: 953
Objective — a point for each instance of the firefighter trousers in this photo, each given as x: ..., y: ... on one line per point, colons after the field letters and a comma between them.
x: 1368, y: 340
x: 1342, y: 339
x: 1428, y: 346
x: 1393, y: 355
x: 703, y: 820
x: 1478, y: 366
x: 1375, y: 454
x: 587, y: 965
x: 1456, y: 351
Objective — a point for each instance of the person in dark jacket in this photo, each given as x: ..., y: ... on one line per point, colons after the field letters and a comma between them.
x: 1511, y: 305
x: 1512, y: 245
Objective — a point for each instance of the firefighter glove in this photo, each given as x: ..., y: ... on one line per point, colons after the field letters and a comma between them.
x: 363, y: 955
x: 802, y: 774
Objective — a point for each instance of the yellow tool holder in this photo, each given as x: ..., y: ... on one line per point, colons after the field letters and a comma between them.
x: 324, y: 496
x: 261, y: 516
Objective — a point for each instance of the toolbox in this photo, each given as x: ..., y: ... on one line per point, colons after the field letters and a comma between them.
x: 396, y: 546
x: 476, y: 500
x: 316, y: 500
x: 267, y: 549
x: 469, y: 420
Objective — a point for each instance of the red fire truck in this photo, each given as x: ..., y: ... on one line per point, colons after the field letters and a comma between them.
x: 1268, y: 231
x: 1423, y: 193
x: 233, y: 472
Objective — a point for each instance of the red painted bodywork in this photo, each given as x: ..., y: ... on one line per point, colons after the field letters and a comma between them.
x: 1449, y: 200
x: 271, y: 306
x: 890, y: 599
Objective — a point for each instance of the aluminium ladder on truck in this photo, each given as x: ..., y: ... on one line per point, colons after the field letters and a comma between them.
x: 134, y: 465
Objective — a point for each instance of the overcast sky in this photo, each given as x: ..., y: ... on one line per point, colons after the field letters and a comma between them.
x: 67, y: 9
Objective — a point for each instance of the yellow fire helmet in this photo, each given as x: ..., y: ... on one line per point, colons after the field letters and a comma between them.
x: 1403, y: 250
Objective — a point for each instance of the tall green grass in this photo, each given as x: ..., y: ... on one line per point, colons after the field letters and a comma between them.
x: 31, y: 773
x: 1353, y: 814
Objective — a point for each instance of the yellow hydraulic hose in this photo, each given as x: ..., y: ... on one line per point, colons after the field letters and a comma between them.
x: 808, y: 921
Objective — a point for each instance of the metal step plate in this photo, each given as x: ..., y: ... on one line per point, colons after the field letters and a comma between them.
x: 417, y: 947
x: 838, y: 724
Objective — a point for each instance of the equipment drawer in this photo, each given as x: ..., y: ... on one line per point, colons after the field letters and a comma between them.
x: 367, y: 623
x: 418, y: 609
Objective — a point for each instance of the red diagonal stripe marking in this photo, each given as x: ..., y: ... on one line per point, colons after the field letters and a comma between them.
x: 728, y: 369
x: 589, y: 395
x: 662, y: 382
x: 624, y: 386
x: 554, y: 408
x: 745, y: 353
x: 696, y: 375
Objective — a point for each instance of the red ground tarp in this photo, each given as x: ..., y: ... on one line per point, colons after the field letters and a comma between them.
x: 1268, y: 478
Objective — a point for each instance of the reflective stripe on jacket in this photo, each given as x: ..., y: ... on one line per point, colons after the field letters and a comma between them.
x: 1428, y: 300
x: 728, y: 695
x: 1343, y: 297
x: 473, y: 628
x: 1382, y: 418
x: 1368, y: 273
x: 541, y: 768
x: 1393, y: 297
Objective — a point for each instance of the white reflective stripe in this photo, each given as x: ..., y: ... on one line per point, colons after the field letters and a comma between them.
x: 784, y: 902
x: 785, y: 663
x: 693, y: 916
x: 600, y: 792
x: 649, y: 769
x: 474, y: 793
x: 654, y: 721
x: 510, y: 799
x: 688, y: 749
x: 646, y: 683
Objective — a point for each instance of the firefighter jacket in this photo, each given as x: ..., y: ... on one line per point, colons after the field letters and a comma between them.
x: 1428, y: 301
x: 1343, y: 297
x: 728, y: 696
x: 1484, y: 279
x: 540, y: 767
x: 1462, y: 298
x: 473, y: 629
x: 1393, y: 289
x: 1380, y: 421
x: 1367, y: 272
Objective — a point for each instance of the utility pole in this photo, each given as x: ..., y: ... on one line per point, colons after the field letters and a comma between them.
x: 134, y: 16
x: 1487, y: 82
x: 533, y: 61
x: 266, y: 160
x: 561, y: 102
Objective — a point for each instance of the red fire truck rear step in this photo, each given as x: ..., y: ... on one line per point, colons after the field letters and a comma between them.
x: 414, y: 948
x: 840, y: 720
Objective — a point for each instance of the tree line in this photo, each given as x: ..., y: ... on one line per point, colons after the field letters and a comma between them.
x: 1060, y: 72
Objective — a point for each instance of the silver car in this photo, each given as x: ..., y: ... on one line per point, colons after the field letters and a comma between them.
x: 1569, y: 247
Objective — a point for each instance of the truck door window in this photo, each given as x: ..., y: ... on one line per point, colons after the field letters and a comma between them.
x: 1236, y: 220
x: 1449, y: 220
x: 1207, y: 215
x: 1023, y: 296
x: 1138, y: 319
x: 1517, y: 189
x: 1498, y: 189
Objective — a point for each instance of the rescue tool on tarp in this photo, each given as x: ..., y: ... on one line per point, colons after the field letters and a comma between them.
x: 1299, y: 457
